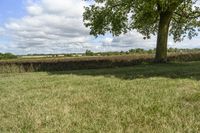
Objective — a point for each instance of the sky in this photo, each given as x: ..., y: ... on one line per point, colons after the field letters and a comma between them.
x: 56, y: 26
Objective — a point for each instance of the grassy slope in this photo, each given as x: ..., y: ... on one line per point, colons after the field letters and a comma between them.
x: 145, y: 98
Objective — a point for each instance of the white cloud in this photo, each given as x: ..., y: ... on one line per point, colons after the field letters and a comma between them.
x: 69, y: 8
x: 34, y: 10
x: 107, y: 41
x: 134, y: 40
x: 2, y: 31
x: 50, y: 25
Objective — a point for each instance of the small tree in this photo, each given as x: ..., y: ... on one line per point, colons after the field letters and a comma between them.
x: 89, y: 53
x: 180, y: 18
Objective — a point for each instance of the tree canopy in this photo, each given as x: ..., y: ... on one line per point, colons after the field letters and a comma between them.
x: 121, y: 16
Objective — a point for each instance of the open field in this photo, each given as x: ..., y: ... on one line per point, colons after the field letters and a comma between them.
x: 143, y: 98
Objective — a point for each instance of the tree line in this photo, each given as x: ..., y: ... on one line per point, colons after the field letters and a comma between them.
x: 7, y: 56
x: 109, y: 53
x: 137, y: 51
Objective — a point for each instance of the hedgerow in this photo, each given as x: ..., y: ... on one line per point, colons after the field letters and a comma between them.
x: 87, y: 63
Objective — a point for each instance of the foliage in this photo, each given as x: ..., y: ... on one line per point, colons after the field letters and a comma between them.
x: 7, y: 56
x: 89, y: 53
x: 121, y: 16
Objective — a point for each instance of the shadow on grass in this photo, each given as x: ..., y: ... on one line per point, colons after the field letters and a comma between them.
x: 190, y: 70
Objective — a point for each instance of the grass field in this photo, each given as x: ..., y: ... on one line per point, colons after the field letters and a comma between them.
x: 143, y: 98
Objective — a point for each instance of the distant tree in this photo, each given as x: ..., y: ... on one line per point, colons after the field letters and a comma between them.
x: 170, y: 50
x: 180, y: 18
x: 7, y: 56
x: 139, y: 50
x: 68, y: 55
x: 132, y: 51
x: 150, y: 51
x: 89, y: 53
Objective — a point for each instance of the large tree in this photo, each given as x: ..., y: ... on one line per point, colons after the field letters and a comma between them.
x: 179, y: 18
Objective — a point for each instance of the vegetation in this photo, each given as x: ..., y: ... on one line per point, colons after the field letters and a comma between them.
x: 89, y: 53
x: 7, y: 56
x: 144, y: 98
x: 77, y: 63
x: 135, y: 51
x: 180, y: 18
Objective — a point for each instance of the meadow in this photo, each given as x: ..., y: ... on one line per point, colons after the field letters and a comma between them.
x: 146, y: 98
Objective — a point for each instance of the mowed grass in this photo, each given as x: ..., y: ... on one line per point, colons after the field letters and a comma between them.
x: 144, y: 98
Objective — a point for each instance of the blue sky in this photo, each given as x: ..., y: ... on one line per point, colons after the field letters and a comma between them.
x: 55, y: 26
x: 11, y: 9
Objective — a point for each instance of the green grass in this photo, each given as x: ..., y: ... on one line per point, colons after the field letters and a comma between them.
x: 143, y: 98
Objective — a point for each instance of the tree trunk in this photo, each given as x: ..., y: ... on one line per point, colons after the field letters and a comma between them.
x: 162, y: 37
